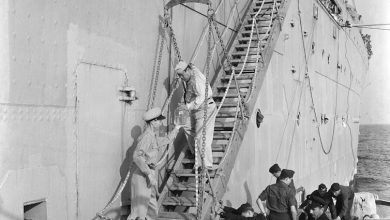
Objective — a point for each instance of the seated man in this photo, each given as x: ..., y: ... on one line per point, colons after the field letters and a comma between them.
x: 244, y: 212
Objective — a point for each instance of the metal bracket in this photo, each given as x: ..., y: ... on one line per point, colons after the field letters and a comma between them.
x: 173, y: 3
x: 128, y: 94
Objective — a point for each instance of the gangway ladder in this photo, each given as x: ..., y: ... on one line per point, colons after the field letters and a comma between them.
x: 178, y: 200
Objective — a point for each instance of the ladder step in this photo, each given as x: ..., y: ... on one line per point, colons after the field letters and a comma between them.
x: 228, y: 95
x: 220, y: 142
x: 185, y: 186
x: 239, y: 54
x: 267, y: 2
x: 249, y: 67
x: 233, y: 86
x: 261, y: 32
x: 219, y: 135
x: 179, y: 201
x: 265, y: 18
x: 264, y: 26
x: 192, y: 160
x: 191, y: 172
x: 227, y: 104
x: 265, y: 6
x: 262, y: 14
x: 218, y: 154
x: 254, y: 39
x: 259, y: 24
x: 253, y: 59
x: 242, y: 77
x: 226, y: 114
x: 218, y: 148
x: 175, y: 216
x: 224, y: 126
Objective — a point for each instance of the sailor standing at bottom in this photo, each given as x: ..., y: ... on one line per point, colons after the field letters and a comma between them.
x: 194, y: 97
x: 143, y: 181
x: 280, y: 198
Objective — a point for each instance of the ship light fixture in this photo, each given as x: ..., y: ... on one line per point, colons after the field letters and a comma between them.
x: 128, y: 94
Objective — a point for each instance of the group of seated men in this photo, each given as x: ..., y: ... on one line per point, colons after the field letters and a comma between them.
x: 282, y: 205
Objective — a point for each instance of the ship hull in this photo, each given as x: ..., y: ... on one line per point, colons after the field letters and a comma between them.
x: 66, y: 139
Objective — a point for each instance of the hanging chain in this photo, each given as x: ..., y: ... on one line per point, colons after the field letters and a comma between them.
x: 205, y: 108
x: 219, y: 35
x: 172, y: 34
x: 151, y: 100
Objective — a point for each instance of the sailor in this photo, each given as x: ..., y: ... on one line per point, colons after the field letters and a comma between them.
x: 321, y: 196
x: 194, y: 96
x: 144, y: 182
x: 244, y: 212
x: 317, y: 211
x: 280, y: 198
x: 275, y: 171
x: 344, y: 200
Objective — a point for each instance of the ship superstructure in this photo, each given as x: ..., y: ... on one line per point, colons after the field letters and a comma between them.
x: 68, y: 126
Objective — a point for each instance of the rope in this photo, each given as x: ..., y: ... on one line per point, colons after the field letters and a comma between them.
x: 250, y: 38
x: 119, y: 191
x: 248, y: 97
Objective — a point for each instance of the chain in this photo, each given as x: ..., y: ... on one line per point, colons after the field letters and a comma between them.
x: 168, y: 23
x: 151, y: 100
x: 221, y: 41
x: 205, y: 107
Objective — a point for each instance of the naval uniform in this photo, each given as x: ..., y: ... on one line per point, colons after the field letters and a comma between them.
x: 279, y: 198
x: 143, y: 197
x: 194, y: 98
x: 291, y: 185
x: 322, y: 217
x: 325, y: 200
x: 344, y: 203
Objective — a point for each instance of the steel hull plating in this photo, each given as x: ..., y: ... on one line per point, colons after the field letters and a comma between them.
x: 66, y: 139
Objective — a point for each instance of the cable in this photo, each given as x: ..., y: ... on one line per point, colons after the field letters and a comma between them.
x: 206, y: 17
x: 366, y: 25
x: 310, y: 89
x: 382, y: 29
x: 347, y: 111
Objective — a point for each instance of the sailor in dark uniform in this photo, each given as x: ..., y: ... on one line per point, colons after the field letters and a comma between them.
x: 280, y: 198
x: 322, y: 196
x: 275, y: 171
x: 344, y: 199
x: 317, y: 211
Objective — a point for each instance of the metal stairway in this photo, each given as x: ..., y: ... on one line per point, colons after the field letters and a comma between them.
x: 177, y: 201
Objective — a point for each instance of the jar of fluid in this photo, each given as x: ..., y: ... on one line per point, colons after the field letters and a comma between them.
x: 181, y: 115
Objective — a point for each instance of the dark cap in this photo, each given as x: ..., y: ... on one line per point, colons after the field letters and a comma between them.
x: 335, y: 187
x: 275, y: 168
x: 315, y: 205
x: 286, y: 173
x: 322, y: 187
x: 245, y: 207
